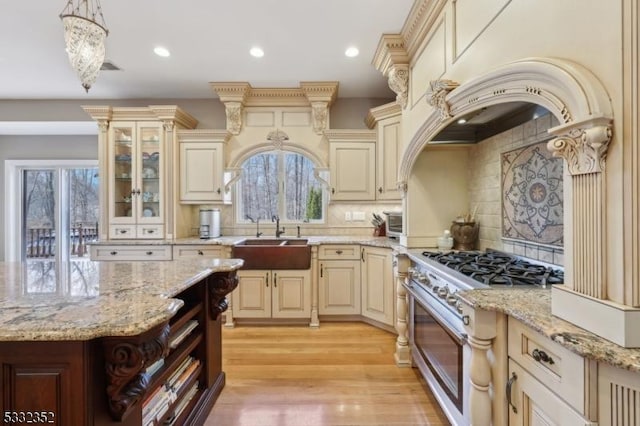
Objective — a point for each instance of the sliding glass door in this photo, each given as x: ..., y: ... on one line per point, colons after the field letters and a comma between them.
x: 55, y: 209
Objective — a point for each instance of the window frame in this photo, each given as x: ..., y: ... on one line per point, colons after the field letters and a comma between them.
x: 320, y: 174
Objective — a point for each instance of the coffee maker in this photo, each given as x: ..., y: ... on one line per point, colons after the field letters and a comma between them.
x: 209, y: 223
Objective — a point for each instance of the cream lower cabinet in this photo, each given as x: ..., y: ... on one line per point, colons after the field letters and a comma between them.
x: 339, y: 287
x: 549, y: 385
x: 339, y: 279
x: 199, y: 250
x: 272, y: 294
x: 378, y: 301
x: 618, y: 396
x: 130, y: 252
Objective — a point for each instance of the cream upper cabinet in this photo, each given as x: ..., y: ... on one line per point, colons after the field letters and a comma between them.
x: 136, y: 180
x: 377, y: 284
x: 352, y: 158
x: 387, y: 121
x: 201, y: 165
x: 136, y: 150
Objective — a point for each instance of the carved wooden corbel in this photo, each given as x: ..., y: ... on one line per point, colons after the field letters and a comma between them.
x: 220, y: 284
x: 399, y: 82
x: 438, y: 91
x: 126, y: 358
x: 320, y: 111
x: 234, y: 117
x: 585, y: 150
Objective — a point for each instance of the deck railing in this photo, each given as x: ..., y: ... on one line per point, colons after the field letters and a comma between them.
x: 41, y: 242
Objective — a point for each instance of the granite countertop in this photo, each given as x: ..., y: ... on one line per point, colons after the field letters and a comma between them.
x: 232, y: 240
x: 94, y: 299
x: 533, y: 308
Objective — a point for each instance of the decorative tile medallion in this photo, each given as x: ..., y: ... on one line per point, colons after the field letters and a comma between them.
x: 532, y: 207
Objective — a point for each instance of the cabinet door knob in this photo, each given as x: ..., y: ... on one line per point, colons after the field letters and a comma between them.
x: 149, y: 253
x: 338, y: 251
x: 333, y: 190
x: 200, y: 252
x: 218, y: 191
x: 542, y: 356
x: 380, y: 190
x: 113, y: 253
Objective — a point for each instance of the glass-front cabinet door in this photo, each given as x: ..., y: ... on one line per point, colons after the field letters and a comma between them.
x: 149, y: 163
x: 122, y: 173
x: 136, y: 194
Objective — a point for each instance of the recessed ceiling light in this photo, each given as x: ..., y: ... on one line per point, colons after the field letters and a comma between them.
x: 162, y: 51
x: 352, y: 52
x: 256, y: 52
x: 462, y: 121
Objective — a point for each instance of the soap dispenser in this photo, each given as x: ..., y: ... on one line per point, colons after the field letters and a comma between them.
x: 446, y: 241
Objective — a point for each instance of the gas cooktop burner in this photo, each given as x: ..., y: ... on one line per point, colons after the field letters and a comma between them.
x: 497, y: 268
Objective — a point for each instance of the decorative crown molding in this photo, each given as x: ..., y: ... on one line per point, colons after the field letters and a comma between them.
x: 320, y: 91
x: 231, y: 91
x: 583, y: 145
x: 437, y: 93
x: 151, y: 113
x: 382, y: 112
x: 420, y: 22
x: 350, y: 135
x: 203, y: 135
x: 248, y: 96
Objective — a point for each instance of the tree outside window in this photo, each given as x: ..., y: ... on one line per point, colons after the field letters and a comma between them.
x: 263, y: 177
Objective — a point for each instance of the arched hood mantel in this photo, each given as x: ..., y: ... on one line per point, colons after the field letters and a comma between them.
x: 568, y: 90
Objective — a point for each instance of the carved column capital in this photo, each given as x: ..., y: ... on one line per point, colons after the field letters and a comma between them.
x: 125, y: 361
x: 319, y: 113
x: 234, y: 117
x: 103, y: 125
x: 219, y: 285
x: 168, y: 125
x: 436, y: 94
x: 398, y: 77
x: 585, y: 150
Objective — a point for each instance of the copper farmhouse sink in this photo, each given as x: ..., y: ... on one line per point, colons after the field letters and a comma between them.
x: 270, y: 253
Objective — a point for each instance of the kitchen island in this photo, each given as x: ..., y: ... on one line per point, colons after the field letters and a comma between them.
x: 98, y: 343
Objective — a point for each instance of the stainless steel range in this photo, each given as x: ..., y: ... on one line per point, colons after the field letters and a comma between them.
x: 436, y: 326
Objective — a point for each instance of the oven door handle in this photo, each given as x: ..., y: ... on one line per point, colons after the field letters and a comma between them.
x: 461, y: 338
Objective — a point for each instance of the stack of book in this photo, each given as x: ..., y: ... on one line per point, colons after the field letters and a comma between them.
x: 158, y: 403
x: 182, y: 333
x: 182, y: 405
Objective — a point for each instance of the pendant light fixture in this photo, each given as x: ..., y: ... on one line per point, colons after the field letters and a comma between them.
x: 84, y: 34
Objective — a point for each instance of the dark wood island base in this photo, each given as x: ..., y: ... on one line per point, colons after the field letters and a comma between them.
x: 110, y: 380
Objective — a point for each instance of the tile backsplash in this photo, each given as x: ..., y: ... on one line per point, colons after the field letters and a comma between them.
x: 485, y: 189
x: 336, y: 223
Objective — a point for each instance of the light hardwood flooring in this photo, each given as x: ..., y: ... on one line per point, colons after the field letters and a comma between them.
x: 338, y: 374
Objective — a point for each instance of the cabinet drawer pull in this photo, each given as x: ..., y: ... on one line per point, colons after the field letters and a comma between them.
x: 149, y: 231
x: 362, y: 254
x: 122, y: 231
x: 512, y: 379
x: 200, y: 252
x: 113, y: 253
x: 542, y: 356
x: 338, y: 251
x: 149, y: 253
x: 275, y: 280
x: 266, y: 279
x: 321, y: 268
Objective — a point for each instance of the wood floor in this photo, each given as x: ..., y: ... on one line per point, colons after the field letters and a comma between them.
x: 339, y: 374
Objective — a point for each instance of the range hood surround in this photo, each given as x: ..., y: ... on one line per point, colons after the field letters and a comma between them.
x: 583, y: 108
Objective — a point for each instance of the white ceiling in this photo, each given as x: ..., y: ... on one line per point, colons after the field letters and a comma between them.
x: 304, y: 40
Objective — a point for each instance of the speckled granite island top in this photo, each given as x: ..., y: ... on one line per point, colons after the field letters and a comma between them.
x: 83, y: 300
x: 533, y: 308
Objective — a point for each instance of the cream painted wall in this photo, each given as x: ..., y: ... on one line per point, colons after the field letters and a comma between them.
x: 42, y: 147
x: 438, y: 191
